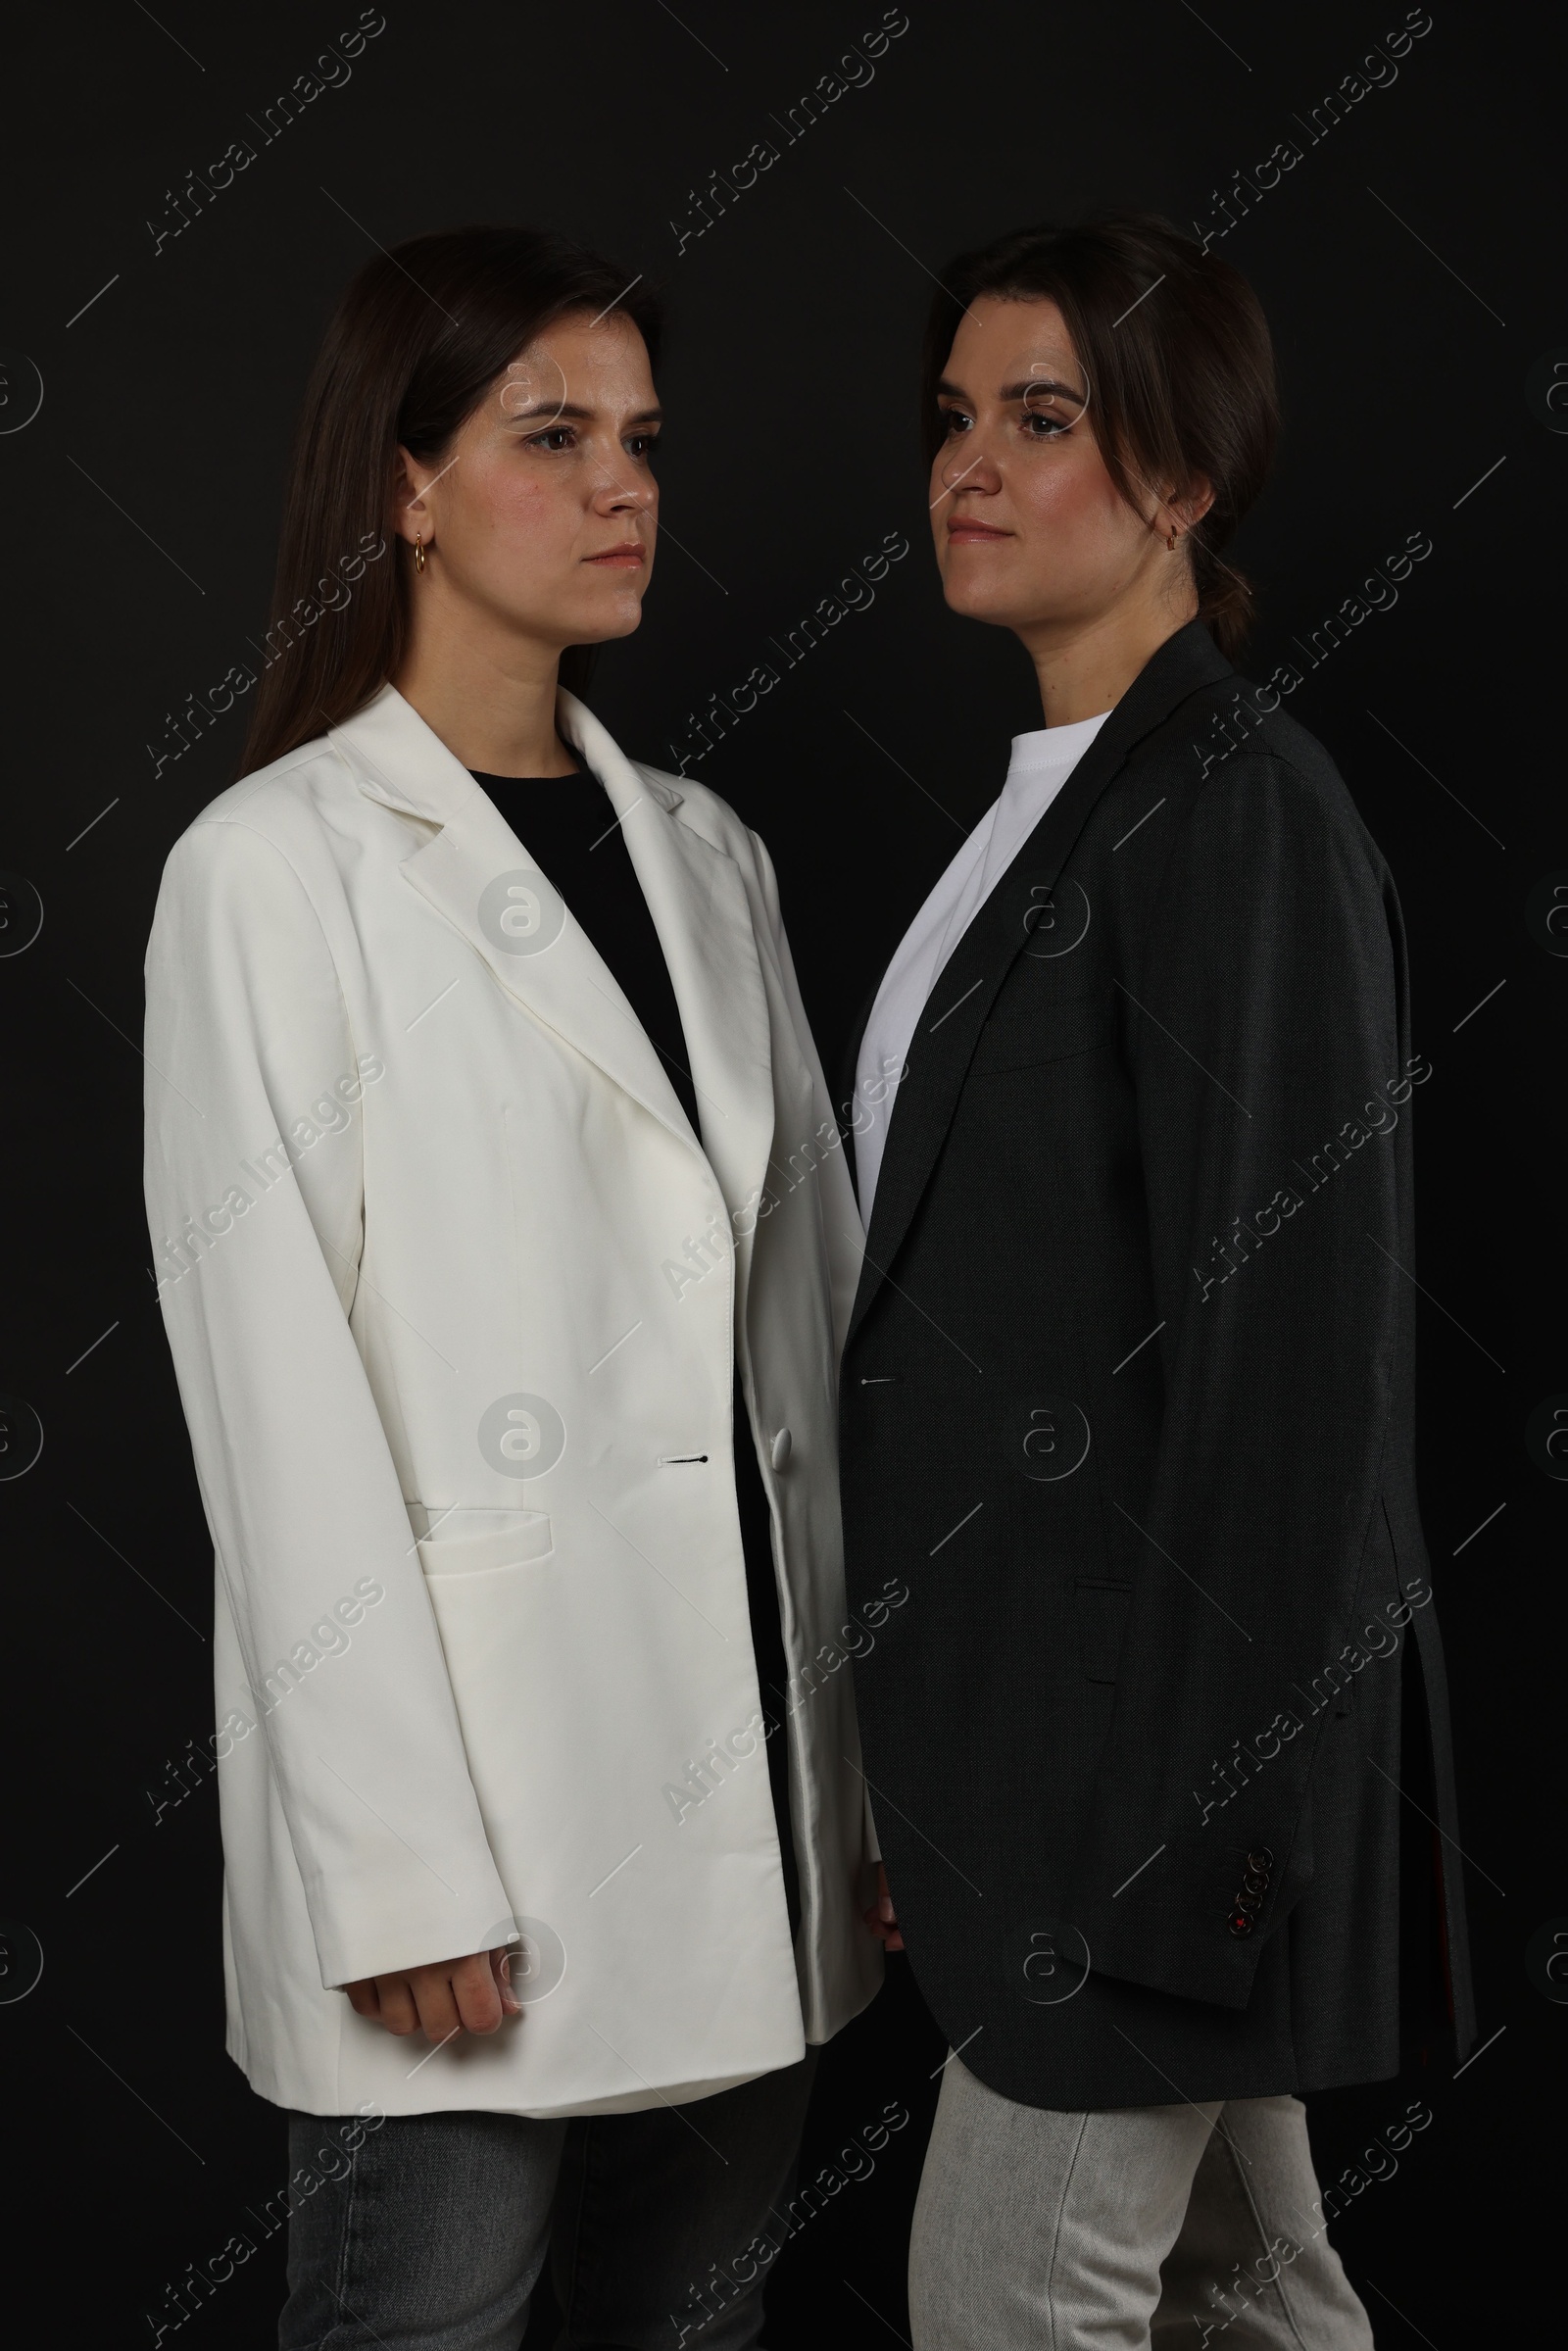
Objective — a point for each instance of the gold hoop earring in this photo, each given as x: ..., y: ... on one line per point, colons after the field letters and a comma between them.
x: 418, y: 553
x: 1171, y: 542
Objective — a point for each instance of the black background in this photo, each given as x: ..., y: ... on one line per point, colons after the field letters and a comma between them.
x: 141, y: 506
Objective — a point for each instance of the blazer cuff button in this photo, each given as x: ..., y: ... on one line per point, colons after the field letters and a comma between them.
x: 780, y: 1451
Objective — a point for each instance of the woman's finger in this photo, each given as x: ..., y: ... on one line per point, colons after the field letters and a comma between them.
x: 395, y: 2004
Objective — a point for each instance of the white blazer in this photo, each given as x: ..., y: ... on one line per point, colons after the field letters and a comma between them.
x: 455, y: 1294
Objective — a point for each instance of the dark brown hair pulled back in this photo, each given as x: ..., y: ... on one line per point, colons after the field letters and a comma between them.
x: 417, y: 339
x: 1180, y: 368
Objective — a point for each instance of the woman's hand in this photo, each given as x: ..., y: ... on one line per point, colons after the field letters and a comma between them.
x: 880, y: 1919
x: 451, y: 1995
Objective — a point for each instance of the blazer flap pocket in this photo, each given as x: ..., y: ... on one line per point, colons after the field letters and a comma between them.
x: 465, y: 1542
x: 1020, y: 1034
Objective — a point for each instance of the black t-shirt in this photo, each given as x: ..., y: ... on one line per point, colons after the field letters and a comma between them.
x: 571, y: 833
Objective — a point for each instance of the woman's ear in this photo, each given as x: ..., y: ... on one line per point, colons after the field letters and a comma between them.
x: 412, y: 516
x: 1193, y: 503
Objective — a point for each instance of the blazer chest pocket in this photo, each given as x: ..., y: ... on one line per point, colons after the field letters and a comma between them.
x: 468, y: 1541
x: 1100, y: 1608
x: 1020, y: 1035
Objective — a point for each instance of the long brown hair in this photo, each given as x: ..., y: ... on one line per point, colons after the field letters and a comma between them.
x: 1180, y: 368
x: 414, y: 343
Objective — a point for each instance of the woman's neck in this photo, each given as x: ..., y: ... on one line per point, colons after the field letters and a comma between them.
x: 492, y: 702
x: 1085, y: 667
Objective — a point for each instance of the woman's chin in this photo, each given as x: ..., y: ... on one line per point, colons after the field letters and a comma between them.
x: 611, y: 620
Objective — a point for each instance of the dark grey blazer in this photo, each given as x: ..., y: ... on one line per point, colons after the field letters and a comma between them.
x: 1127, y: 1401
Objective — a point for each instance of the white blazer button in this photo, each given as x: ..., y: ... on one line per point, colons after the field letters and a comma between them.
x: 781, y: 1449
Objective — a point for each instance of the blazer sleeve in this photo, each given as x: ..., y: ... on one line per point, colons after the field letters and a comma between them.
x: 253, y: 1186
x: 1262, y: 1032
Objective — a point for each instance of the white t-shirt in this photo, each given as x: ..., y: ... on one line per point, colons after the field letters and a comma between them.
x: 1040, y: 765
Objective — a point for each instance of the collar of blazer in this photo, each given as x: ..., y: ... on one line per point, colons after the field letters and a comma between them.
x: 695, y: 894
x: 949, y: 1028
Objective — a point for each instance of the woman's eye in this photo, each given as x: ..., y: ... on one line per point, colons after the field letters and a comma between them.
x: 954, y: 421
x: 1049, y: 428
x: 643, y: 444
x: 554, y: 437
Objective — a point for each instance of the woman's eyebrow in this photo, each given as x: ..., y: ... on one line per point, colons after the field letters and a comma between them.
x: 549, y: 408
x: 1040, y: 383
x: 577, y: 414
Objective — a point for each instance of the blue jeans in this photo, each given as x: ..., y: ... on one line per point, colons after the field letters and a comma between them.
x: 435, y: 2236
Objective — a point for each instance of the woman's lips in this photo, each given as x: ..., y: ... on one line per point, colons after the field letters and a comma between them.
x: 625, y: 557
x: 974, y: 534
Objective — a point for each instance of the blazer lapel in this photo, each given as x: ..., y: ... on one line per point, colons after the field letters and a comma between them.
x: 477, y: 874
x: 701, y: 911
x: 949, y: 1028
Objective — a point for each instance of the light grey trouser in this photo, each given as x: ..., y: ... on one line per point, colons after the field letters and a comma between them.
x: 1035, y: 2230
